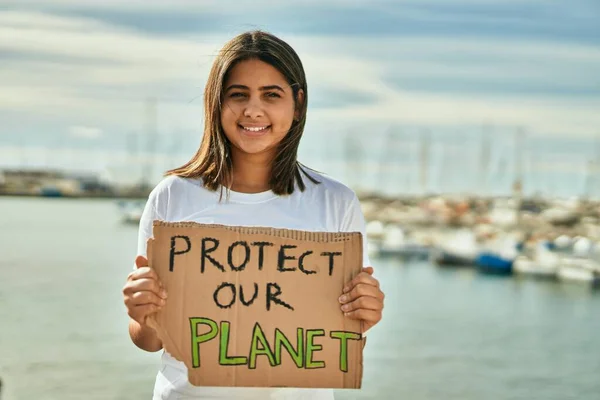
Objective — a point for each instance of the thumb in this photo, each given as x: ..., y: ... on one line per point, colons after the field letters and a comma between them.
x: 368, y: 270
x: 141, y: 261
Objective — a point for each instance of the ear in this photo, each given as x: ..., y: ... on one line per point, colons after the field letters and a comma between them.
x: 299, y: 104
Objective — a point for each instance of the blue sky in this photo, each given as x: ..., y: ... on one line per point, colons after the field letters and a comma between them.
x: 75, y: 76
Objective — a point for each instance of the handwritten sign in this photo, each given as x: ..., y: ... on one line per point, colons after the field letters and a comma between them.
x: 258, y: 306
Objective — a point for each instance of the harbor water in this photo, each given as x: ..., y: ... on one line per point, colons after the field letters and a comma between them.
x: 446, y: 333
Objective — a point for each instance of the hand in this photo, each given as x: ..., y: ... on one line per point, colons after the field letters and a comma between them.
x: 363, y: 299
x: 143, y: 293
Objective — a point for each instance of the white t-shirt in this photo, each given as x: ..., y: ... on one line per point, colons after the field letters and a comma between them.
x: 329, y: 206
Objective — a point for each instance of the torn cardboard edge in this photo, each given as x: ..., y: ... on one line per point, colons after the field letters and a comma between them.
x: 163, y: 334
x: 313, y: 236
x: 258, y: 366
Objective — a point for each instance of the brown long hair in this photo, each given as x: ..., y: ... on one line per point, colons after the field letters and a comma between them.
x: 212, y: 162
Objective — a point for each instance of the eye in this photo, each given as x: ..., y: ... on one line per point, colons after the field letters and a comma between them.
x: 237, y: 95
x: 272, y: 95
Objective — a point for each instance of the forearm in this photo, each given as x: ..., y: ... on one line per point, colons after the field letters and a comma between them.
x: 144, y: 337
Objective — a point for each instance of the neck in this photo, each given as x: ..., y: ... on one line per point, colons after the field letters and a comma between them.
x: 251, y: 172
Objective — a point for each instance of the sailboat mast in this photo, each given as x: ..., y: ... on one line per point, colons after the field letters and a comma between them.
x: 518, y: 179
x: 151, y: 132
x: 424, y: 161
x: 484, y: 161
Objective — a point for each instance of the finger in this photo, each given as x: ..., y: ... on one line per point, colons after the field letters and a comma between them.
x: 145, y: 284
x: 364, y: 315
x: 144, y: 273
x: 361, y: 290
x: 141, y: 261
x: 363, y: 277
x: 369, y: 270
x: 142, y: 298
x: 140, y: 313
x: 366, y: 303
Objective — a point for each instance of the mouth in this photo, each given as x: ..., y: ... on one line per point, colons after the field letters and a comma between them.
x: 254, y: 130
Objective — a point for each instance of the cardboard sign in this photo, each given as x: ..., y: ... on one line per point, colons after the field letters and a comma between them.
x: 258, y: 306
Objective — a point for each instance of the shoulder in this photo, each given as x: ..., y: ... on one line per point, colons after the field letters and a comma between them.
x: 172, y: 189
x: 328, y: 187
x: 171, y: 185
x: 338, y: 201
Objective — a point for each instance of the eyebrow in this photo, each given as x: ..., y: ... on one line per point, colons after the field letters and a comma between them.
x: 262, y: 88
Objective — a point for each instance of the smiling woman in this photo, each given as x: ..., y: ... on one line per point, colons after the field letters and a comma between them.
x: 259, y: 108
x: 255, y: 110
x: 257, y: 81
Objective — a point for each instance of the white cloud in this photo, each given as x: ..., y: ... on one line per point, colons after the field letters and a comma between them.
x: 38, y: 20
x: 550, y: 117
x: 86, y: 72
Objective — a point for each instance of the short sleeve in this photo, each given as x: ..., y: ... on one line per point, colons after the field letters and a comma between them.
x: 149, y: 215
x: 145, y: 228
x: 354, y: 221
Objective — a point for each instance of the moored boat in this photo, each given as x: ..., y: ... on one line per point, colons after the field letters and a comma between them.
x: 492, y: 263
x: 458, y: 250
x: 543, y: 263
x: 579, y: 270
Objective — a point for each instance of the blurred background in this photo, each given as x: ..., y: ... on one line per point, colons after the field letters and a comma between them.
x: 469, y: 129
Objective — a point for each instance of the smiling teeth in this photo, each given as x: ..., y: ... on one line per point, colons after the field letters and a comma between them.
x: 255, y: 129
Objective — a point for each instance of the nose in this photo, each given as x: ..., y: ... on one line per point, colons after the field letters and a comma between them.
x: 253, y: 109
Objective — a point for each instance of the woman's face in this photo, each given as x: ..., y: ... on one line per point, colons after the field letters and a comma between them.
x: 258, y: 108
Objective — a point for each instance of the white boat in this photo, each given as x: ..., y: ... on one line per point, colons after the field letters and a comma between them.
x: 542, y: 264
x: 458, y: 249
x: 560, y: 216
x: 131, y: 211
x: 581, y: 270
x: 582, y: 247
x: 563, y: 243
x: 504, y: 213
x: 394, y: 242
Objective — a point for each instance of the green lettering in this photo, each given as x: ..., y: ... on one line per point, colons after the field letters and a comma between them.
x: 258, y: 336
x: 224, y: 359
x: 344, y: 336
x: 205, y: 337
x: 311, y: 348
x: 282, y: 340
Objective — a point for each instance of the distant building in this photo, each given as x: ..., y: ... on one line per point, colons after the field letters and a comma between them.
x: 51, y: 183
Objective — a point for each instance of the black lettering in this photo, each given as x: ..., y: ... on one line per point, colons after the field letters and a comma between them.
x: 254, y: 296
x: 331, y: 254
x: 205, y: 255
x: 301, y: 265
x: 261, y: 255
x: 246, y: 257
x: 283, y: 257
x: 216, y: 294
x: 272, y: 296
x: 176, y: 253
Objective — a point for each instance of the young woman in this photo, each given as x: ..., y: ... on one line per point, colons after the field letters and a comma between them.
x: 246, y: 173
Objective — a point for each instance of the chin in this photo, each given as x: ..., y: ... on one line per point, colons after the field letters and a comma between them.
x: 254, y: 148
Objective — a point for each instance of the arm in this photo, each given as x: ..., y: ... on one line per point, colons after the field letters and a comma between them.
x: 144, y: 337
x: 362, y: 297
x: 143, y: 292
x: 144, y: 295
